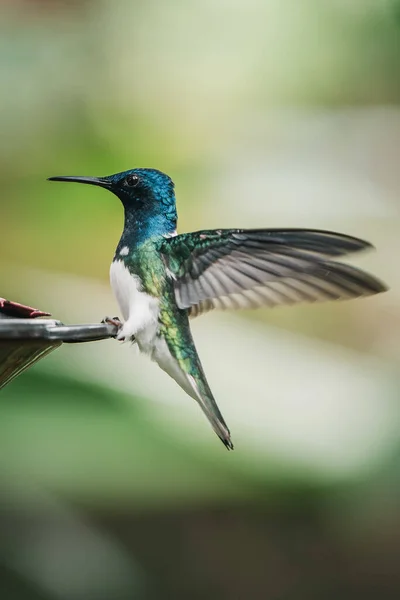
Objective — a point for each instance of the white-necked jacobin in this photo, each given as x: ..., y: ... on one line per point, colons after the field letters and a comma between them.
x: 162, y: 279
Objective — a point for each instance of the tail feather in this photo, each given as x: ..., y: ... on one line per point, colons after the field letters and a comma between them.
x: 210, y: 408
x: 188, y: 373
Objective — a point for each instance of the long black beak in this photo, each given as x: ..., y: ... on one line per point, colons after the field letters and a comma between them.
x: 101, y: 181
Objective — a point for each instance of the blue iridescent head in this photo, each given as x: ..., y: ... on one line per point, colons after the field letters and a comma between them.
x: 148, y: 198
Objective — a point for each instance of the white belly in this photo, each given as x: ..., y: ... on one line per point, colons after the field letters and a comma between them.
x: 139, y: 310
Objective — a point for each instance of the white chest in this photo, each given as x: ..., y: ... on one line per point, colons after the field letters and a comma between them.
x: 139, y: 309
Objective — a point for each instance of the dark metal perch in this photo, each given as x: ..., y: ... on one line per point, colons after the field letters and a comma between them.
x: 25, y: 338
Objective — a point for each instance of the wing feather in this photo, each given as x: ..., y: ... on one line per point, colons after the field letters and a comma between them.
x: 231, y: 269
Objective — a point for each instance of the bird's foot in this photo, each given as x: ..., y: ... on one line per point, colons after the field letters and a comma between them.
x: 116, y: 322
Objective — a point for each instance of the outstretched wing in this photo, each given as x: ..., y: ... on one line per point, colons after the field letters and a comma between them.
x: 248, y: 268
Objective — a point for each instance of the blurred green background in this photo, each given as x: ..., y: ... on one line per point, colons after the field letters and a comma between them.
x: 265, y: 113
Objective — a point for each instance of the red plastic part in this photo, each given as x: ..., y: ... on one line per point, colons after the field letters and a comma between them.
x: 15, y: 309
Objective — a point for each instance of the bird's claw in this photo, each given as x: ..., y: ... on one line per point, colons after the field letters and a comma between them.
x: 115, y: 322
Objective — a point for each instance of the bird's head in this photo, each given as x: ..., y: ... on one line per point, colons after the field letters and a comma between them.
x: 147, y: 195
x: 135, y: 188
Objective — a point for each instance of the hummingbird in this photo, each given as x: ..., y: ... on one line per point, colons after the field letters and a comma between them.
x: 162, y: 279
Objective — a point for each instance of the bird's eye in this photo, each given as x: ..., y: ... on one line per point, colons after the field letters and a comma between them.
x: 132, y: 180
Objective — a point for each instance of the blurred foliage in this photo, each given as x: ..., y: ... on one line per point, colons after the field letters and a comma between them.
x: 264, y: 113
